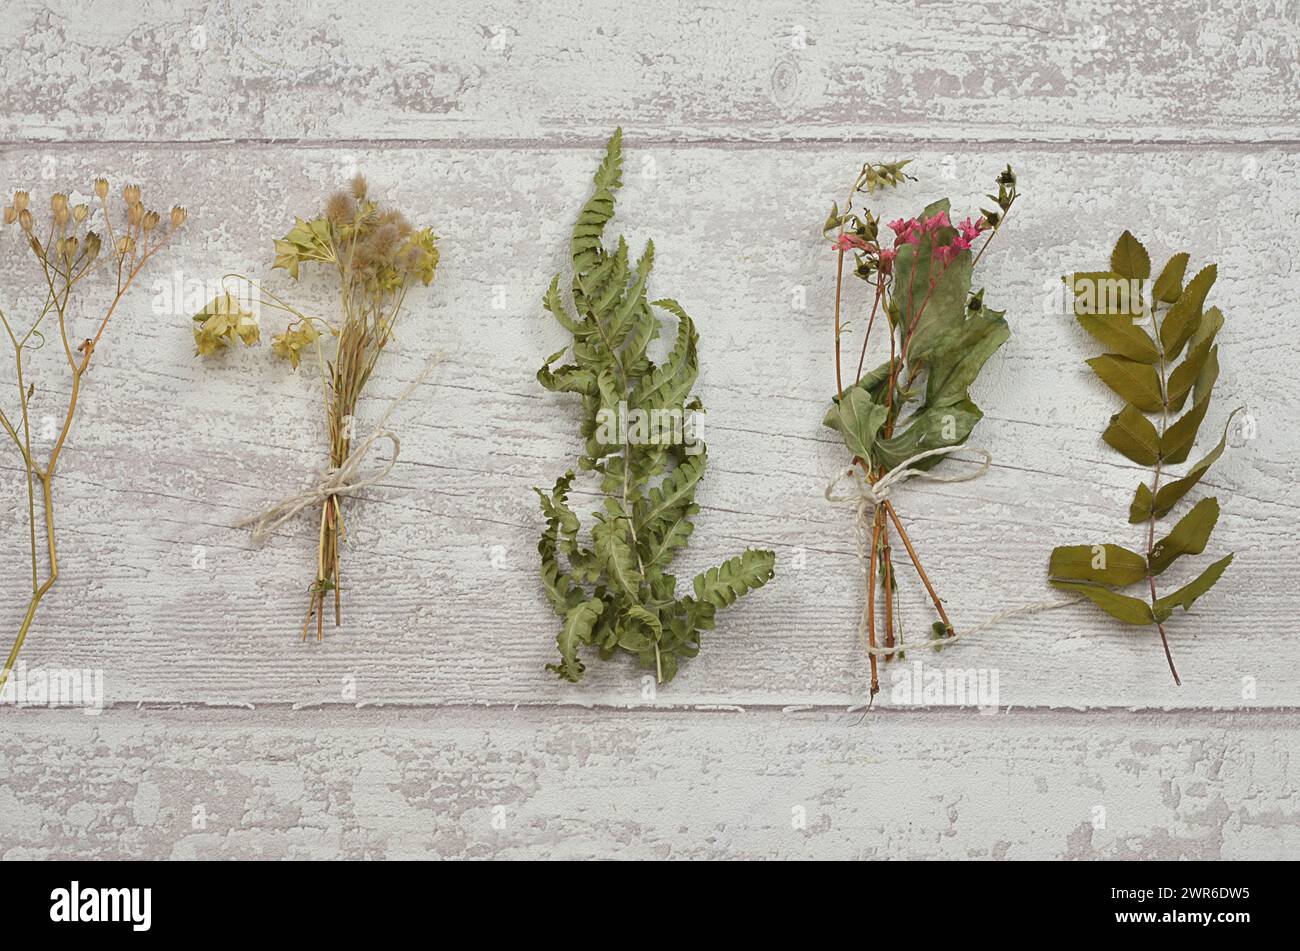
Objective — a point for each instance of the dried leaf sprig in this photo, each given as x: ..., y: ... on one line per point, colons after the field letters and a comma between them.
x: 617, y: 595
x: 940, y: 336
x: 1142, y: 367
x: 377, y: 257
x: 87, y: 255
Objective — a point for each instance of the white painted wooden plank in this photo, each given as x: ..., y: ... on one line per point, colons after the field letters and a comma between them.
x: 459, y: 783
x: 443, y: 604
x: 1178, y: 70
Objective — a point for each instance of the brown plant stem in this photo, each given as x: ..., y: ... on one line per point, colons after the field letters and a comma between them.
x: 911, y: 553
x: 871, y: 602
x: 1155, y: 487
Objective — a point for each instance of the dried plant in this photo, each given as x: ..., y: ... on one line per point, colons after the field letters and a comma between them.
x: 1113, y: 306
x: 634, y: 424
x: 377, y: 256
x: 78, y: 270
x: 939, y: 331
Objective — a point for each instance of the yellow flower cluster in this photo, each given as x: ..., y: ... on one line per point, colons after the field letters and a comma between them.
x: 221, y: 323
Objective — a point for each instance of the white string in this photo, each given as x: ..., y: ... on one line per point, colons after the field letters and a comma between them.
x: 340, y: 480
x: 869, y: 496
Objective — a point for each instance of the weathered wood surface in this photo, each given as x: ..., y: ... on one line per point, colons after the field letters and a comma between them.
x: 486, y: 120
x: 558, y: 784
x: 442, y: 601
x: 1180, y: 71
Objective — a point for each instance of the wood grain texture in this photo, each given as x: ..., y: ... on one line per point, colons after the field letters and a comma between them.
x: 443, y: 602
x: 1181, y: 71
x: 485, y: 120
x: 538, y: 784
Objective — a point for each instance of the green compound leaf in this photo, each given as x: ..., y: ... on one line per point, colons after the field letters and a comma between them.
x: 615, y: 595
x: 1151, y: 380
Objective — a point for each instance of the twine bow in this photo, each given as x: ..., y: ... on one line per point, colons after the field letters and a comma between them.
x: 339, y: 480
x: 868, y: 496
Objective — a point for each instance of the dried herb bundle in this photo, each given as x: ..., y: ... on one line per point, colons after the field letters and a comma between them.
x: 940, y: 336
x: 79, y: 270
x: 1142, y: 368
x: 377, y: 256
x: 633, y: 605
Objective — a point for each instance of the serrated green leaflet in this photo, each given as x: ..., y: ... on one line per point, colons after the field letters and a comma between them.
x: 1154, y: 384
x: 617, y: 595
x: 1130, y: 258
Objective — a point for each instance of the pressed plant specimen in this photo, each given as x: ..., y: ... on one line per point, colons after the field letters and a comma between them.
x: 617, y: 595
x: 906, y: 413
x: 87, y: 257
x: 1117, y: 307
x: 377, y: 256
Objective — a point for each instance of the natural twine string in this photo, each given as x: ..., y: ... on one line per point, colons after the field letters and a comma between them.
x: 868, y: 496
x: 339, y: 480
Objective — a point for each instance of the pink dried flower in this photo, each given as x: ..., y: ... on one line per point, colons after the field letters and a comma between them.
x: 970, y: 231
x: 847, y: 242
x: 938, y: 221
x: 961, y: 242
x: 946, y: 254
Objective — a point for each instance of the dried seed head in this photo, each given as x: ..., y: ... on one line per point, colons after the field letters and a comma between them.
x: 340, y: 209
x: 125, y: 244
x: 150, y: 221
x: 11, y: 214
x: 178, y: 216
x: 25, y: 219
x: 79, y: 213
x: 101, y: 188
x: 359, y: 187
x: 131, y: 195
x: 135, y: 214
x: 92, y: 245
x: 20, y: 201
x: 58, y: 202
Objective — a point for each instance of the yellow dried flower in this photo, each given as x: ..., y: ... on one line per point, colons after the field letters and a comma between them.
x: 80, y: 213
x: 135, y: 214
x: 20, y: 201
x: 101, y: 188
x: 24, y: 218
x: 221, y: 323
x: 131, y: 195
x: 290, y: 344
x: 178, y: 216
x: 150, y: 221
